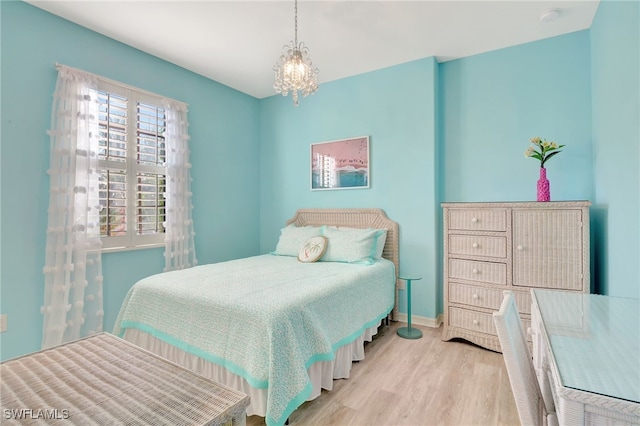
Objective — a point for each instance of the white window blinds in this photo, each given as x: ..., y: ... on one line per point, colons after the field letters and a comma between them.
x: 132, y: 161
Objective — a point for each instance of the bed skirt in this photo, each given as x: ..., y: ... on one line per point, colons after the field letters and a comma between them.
x: 321, y: 373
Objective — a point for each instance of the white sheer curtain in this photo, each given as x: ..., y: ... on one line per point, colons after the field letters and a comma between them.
x: 180, y: 251
x: 73, y: 269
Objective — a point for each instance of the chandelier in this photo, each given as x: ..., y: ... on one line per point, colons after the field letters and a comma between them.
x: 294, y: 69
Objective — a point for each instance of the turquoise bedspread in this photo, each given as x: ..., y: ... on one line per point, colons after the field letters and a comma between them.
x: 266, y: 318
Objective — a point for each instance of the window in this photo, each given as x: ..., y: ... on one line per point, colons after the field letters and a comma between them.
x: 131, y: 158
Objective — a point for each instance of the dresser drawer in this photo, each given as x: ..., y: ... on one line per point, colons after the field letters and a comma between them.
x: 478, y: 219
x: 472, y: 320
x: 488, y: 272
x: 478, y: 245
x: 485, y: 297
x: 481, y: 322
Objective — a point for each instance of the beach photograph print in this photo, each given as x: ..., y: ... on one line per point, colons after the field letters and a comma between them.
x: 341, y: 164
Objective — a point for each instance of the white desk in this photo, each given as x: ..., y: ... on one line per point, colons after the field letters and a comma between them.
x: 586, y: 352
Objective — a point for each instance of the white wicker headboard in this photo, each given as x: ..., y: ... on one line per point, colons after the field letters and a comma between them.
x: 357, y: 218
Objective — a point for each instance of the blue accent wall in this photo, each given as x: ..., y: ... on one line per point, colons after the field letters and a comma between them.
x: 224, y: 154
x: 395, y: 107
x: 615, y: 88
x: 493, y: 103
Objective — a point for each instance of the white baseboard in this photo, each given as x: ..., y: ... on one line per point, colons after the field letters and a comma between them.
x: 418, y: 320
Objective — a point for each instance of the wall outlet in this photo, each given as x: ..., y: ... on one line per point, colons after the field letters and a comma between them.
x: 3, y: 323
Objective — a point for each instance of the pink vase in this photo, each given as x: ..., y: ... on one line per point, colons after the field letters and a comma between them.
x: 544, y: 192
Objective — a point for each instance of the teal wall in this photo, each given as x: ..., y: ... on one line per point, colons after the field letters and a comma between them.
x: 395, y: 107
x: 454, y: 131
x: 615, y: 88
x: 492, y: 104
x: 224, y: 154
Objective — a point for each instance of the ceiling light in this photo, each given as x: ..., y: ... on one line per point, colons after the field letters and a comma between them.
x: 549, y: 16
x: 294, y: 70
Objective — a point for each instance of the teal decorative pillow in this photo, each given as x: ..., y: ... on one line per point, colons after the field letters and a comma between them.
x: 351, y: 245
x: 380, y: 242
x: 313, y: 249
x: 293, y: 237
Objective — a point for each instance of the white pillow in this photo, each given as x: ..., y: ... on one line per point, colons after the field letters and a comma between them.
x: 313, y: 249
x: 351, y: 245
x: 292, y: 238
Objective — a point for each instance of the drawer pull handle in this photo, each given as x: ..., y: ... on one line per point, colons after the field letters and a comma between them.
x: 476, y: 322
x: 474, y: 220
x: 520, y: 248
x: 475, y: 271
x: 475, y: 296
x: 474, y: 245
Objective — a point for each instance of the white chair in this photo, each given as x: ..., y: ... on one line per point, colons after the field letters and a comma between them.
x: 532, y: 409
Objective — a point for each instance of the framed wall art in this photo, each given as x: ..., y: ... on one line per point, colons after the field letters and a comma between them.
x: 340, y: 164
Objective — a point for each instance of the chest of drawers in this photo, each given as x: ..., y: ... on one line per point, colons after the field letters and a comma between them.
x: 491, y: 247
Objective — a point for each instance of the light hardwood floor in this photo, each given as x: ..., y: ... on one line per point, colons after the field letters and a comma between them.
x: 415, y: 382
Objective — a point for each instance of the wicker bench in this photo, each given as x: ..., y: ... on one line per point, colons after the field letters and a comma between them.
x: 105, y: 380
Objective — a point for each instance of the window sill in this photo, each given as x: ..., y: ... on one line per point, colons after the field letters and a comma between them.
x: 132, y: 248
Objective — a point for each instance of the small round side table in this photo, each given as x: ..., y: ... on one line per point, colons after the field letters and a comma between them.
x: 409, y: 332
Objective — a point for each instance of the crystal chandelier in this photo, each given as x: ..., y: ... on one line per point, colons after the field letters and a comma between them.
x: 294, y: 69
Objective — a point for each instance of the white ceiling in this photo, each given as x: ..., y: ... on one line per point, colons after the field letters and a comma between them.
x: 237, y: 42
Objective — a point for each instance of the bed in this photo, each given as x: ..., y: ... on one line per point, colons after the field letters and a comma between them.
x: 270, y: 326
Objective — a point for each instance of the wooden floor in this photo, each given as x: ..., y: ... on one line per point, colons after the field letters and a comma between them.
x: 415, y: 382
